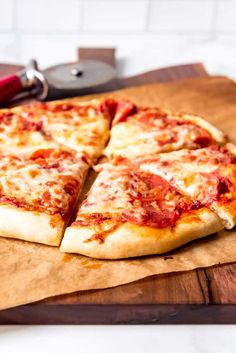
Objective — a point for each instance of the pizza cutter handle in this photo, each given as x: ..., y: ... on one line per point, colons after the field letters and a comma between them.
x: 10, y: 86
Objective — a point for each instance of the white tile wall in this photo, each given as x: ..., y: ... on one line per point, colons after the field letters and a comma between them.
x: 49, y: 49
x: 47, y: 15
x: 181, y: 15
x: 226, y: 15
x: 6, y: 14
x: 8, y: 48
x: 147, y: 33
x: 115, y: 16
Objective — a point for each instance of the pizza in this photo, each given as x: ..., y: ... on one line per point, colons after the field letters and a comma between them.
x: 83, y: 126
x: 130, y: 212
x: 167, y: 179
x: 140, y: 131
x: 38, y: 193
x: 153, y: 204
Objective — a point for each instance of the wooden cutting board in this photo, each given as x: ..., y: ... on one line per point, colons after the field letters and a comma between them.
x: 202, y: 296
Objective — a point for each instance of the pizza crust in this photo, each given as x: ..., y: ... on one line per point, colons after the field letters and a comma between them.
x: 217, y: 135
x: 31, y: 225
x: 231, y: 148
x: 226, y: 212
x: 130, y: 240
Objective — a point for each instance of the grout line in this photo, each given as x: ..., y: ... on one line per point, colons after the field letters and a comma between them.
x: 117, y: 33
x: 81, y: 18
x: 175, y: 33
x: 45, y: 32
x: 16, y: 32
x: 214, y: 19
x: 146, y: 26
x: 144, y: 0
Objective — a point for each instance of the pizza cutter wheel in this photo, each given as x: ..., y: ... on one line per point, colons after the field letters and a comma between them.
x: 60, y: 81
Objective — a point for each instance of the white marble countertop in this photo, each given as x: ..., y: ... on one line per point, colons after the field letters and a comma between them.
x: 117, y: 339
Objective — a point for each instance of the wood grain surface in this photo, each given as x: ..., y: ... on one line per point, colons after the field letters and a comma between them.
x: 202, y: 296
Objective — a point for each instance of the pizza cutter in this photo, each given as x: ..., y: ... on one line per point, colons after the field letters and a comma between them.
x: 60, y: 81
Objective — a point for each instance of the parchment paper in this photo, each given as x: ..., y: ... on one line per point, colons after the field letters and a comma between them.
x: 31, y: 272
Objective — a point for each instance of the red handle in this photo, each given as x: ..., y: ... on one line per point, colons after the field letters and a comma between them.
x: 9, y: 87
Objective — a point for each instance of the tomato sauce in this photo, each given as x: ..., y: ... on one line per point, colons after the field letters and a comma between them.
x: 124, y: 109
x: 148, y: 198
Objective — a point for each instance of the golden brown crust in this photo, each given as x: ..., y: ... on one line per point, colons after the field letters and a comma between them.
x: 227, y: 212
x: 31, y: 225
x: 231, y: 148
x: 217, y: 134
x: 130, y: 240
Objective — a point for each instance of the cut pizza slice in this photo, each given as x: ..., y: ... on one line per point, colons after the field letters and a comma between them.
x: 138, y: 132
x: 207, y: 175
x: 129, y: 212
x: 83, y: 126
x: 38, y: 193
x: 20, y: 134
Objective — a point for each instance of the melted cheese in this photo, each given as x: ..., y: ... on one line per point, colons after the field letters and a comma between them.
x: 109, y: 192
x: 89, y: 137
x: 15, y: 139
x: 38, y: 187
x: 86, y: 132
x: 134, y: 139
x: 124, y: 191
x: 187, y: 169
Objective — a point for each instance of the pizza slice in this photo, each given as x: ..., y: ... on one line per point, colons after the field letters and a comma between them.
x: 207, y: 175
x: 129, y: 212
x: 20, y: 134
x: 141, y: 131
x: 83, y: 126
x: 38, y: 193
